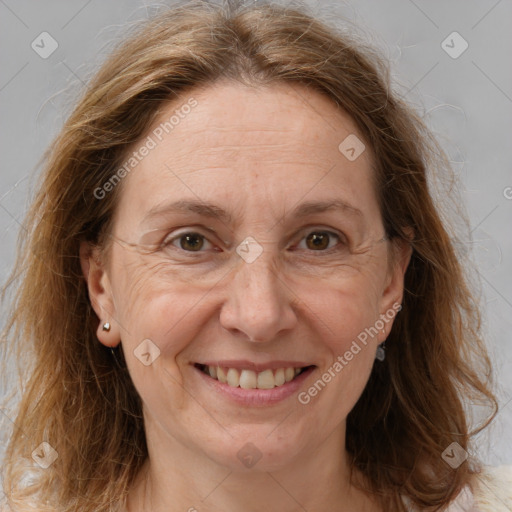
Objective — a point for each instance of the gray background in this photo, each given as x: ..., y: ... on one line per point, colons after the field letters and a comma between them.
x: 467, y: 101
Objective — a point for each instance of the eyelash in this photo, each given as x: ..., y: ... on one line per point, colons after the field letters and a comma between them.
x: 169, y: 241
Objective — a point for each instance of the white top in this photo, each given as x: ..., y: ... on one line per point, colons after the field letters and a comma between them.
x: 491, y: 491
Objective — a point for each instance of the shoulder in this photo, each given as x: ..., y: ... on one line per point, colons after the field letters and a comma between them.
x: 492, y: 489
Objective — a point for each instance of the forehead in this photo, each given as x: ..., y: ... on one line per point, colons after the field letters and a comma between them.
x: 242, y: 145
x: 280, y: 115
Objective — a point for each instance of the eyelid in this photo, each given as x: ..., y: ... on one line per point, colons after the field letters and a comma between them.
x: 168, y: 240
x: 340, y: 236
x: 319, y: 229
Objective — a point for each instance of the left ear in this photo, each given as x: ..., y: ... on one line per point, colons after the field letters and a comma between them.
x: 393, y: 293
x: 100, y: 294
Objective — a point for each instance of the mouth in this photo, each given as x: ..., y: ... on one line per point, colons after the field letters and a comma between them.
x: 247, y: 378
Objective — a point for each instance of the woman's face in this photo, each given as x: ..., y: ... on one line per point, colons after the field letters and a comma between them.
x: 182, y: 290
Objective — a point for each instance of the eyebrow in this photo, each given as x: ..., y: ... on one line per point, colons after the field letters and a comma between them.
x: 216, y: 212
x: 188, y: 206
x: 312, y: 207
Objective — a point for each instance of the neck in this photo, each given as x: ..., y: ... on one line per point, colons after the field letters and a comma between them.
x: 179, y: 479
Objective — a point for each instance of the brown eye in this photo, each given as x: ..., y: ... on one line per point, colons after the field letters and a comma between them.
x: 187, y: 241
x: 191, y: 241
x: 319, y: 240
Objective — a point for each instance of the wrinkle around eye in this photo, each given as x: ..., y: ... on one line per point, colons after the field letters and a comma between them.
x: 169, y: 241
x: 341, y: 240
x: 350, y: 244
x: 342, y: 244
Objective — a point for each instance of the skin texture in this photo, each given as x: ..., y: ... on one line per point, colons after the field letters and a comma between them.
x: 257, y: 153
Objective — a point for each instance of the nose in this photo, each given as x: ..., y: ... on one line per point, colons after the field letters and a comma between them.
x: 259, y: 303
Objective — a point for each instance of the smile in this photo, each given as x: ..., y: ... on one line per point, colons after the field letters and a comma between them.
x: 251, y: 379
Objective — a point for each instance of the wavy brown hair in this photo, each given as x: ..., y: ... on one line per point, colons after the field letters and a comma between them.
x: 82, y: 402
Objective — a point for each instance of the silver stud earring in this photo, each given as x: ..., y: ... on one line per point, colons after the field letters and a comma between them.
x: 106, y: 326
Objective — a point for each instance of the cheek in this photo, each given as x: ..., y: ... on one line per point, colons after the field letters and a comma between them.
x: 154, y: 298
x: 350, y: 356
x: 156, y: 316
x: 162, y: 324
x: 349, y: 384
x: 348, y: 313
x: 345, y: 310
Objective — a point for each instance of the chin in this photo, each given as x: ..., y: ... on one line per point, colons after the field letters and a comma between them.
x: 257, y: 450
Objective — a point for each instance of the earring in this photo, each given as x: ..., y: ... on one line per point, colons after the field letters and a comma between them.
x: 381, y: 350
x: 106, y: 326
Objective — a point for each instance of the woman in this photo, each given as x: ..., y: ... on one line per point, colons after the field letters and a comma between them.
x: 240, y: 292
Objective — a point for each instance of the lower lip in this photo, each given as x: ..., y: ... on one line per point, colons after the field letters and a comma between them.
x: 256, y: 397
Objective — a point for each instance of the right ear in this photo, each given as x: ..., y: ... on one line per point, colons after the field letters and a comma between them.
x: 100, y: 293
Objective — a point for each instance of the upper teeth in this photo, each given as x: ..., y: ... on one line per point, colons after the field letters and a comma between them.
x: 249, y: 379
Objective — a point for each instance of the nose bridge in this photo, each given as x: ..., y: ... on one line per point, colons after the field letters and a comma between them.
x: 258, y: 280
x: 260, y: 271
x: 258, y: 302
